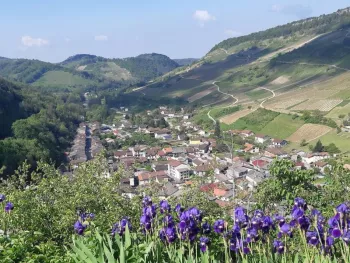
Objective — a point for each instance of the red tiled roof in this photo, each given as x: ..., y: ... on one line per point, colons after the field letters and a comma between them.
x: 259, y: 163
x: 161, y: 153
x: 150, y: 175
x: 208, y: 187
x: 174, y: 163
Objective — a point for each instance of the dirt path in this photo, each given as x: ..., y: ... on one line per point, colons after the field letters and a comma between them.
x: 227, y: 94
x: 273, y: 95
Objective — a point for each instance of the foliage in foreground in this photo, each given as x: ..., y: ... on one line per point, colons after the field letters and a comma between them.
x: 178, y: 235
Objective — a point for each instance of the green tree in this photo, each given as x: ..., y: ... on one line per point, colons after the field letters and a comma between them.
x: 318, y: 147
x: 217, y: 131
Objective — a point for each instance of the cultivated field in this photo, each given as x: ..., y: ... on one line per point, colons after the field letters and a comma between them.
x: 282, y: 126
x: 285, y: 104
x: 322, y: 105
x: 309, y: 132
x: 235, y: 116
x: 201, y: 94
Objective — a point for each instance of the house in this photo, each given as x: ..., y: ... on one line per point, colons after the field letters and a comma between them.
x: 195, y: 141
x: 187, y: 116
x: 120, y: 154
x: 236, y: 171
x: 260, y: 164
x: 223, y: 193
x: 254, y: 178
x: 261, y: 138
x: 273, y: 152
x: 177, y: 151
x: 203, y: 148
x: 147, y: 177
x: 168, y: 190
x: 278, y: 142
x: 322, y: 166
x: 178, y: 171
x: 314, y: 157
x: 250, y: 148
x: 198, y: 162
x: 202, y: 170
x: 151, y: 153
x: 246, y: 133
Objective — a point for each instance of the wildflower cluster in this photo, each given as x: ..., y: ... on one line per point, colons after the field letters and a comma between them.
x: 8, y: 207
x: 248, y: 232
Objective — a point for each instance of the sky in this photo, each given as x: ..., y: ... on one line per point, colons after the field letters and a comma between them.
x: 52, y: 30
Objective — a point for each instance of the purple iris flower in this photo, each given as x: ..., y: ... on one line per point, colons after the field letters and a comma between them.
x: 219, y: 226
x: 279, y: 219
x: 317, y: 214
x: 206, y: 228
x: 346, y: 236
x: 150, y: 210
x: 146, y: 222
x: 334, y: 221
x: 2, y: 198
x: 342, y: 208
x: 336, y: 232
x: 267, y: 224
x: 300, y: 202
x: 252, y: 234
x: 9, y: 207
x: 203, y: 243
x: 79, y: 228
x: 285, y: 229
x: 120, y: 226
x: 146, y: 201
x: 168, y: 220
x: 258, y: 213
x: 178, y: 209
x: 256, y: 221
x: 168, y: 234
x: 278, y: 246
x: 297, y: 212
x: 164, y: 206
x: 312, y: 238
x: 195, y: 213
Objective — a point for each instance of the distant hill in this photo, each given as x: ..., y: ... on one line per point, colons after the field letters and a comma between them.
x: 134, y: 69
x: 185, y: 61
x: 84, y: 70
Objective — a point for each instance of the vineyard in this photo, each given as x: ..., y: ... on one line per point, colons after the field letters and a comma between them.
x: 235, y: 116
x: 322, y: 105
x: 285, y: 104
x: 309, y: 132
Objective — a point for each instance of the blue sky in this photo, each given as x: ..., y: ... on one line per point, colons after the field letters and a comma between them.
x: 52, y: 30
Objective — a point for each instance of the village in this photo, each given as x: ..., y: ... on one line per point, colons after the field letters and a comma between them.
x: 166, y: 151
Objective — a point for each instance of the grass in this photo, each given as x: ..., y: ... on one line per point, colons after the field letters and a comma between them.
x: 344, y: 110
x: 282, y: 126
x: 342, y: 142
x: 220, y: 112
x: 258, y: 94
x: 254, y: 121
x: 61, y: 78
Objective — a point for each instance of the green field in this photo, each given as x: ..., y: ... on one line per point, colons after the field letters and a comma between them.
x: 282, y: 126
x: 258, y: 94
x: 62, y: 78
x: 339, y: 111
x: 342, y: 140
x: 254, y: 121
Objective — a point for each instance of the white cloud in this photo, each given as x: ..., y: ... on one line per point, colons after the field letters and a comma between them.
x: 29, y: 41
x: 203, y: 16
x: 101, y: 38
x: 276, y: 8
x: 67, y: 39
x: 232, y: 33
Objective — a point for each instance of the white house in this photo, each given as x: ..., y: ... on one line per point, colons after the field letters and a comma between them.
x: 315, y: 157
x: 178, y: 171
x: 261, y: 138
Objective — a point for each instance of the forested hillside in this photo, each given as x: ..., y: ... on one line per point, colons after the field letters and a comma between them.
x: 36, y: 124
x: 314, y: 25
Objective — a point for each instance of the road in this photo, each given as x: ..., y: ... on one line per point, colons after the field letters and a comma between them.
x: 273, y: 95
x: 227, y: 94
